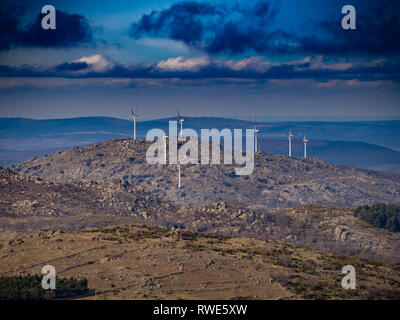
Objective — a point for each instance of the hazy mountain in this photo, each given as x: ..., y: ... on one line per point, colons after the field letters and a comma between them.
x: 357, y: 154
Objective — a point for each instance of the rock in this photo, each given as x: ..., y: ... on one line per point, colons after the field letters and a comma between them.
x: 104, y: 260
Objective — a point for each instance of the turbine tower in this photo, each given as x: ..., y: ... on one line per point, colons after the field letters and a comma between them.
x: 290, y: 135
x: 305, y: 146
x: 180, y: 122
x: 179, y: 174
x: 134, y: 115
x: 255, y: 136
x: 165, y: 149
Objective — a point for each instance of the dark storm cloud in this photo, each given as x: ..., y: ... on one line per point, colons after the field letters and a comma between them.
x: 9, y: 27
x: 236, y: 29
x: 377, y: 33
x: 214, y: 28
x: 71, y: 30
x: 183, y: 21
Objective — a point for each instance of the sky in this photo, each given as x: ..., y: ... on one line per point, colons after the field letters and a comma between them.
x: 284, y: 59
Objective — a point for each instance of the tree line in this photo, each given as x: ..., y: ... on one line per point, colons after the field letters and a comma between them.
x: 29, y: 287
x: 385, y: 216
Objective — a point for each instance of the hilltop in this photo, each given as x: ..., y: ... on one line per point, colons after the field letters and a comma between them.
x: 278, y: 182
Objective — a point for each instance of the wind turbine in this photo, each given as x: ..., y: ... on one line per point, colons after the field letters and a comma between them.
x: 290, y: 135
x: 305, y: 146
x: 165, y: 149
x: 181, y: 122
x: 179, y: 174
x: 179, y: 170
x: 255, y: 136
x: 134, y: 115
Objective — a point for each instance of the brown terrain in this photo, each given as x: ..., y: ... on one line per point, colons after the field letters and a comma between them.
x: 138, y: 262
x: 101, y: 212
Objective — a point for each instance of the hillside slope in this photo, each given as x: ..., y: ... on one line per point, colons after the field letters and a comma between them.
x: 30, y: 203
x: 137, y: 262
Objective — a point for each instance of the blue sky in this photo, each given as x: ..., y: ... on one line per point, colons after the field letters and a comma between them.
x: 270, y: 58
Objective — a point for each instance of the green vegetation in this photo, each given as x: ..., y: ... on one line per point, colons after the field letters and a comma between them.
x: 29, y: 287
x: 381, y: 216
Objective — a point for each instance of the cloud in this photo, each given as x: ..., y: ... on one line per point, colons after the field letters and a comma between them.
x: 91, y: 64
x: 318, y: 63
x: 9, y: 28
x: 71, y: 30
x: 210, y: 27
x: 377, y: 29
x: 72, y: 66
x: 96, y: 63
x: 183, y: 21
x: 252, y: 63
x: 206, y: 67
x: 237, y: 29
x: 183, y: 64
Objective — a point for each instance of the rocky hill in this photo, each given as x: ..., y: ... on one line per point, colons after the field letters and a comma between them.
x: 278, y: 182
x: 23, y: 196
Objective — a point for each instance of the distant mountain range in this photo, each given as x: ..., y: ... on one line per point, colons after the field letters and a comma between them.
x: 366, y: 144
x: 357, y: 154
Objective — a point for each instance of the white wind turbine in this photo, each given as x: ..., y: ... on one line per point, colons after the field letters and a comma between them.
x: 179, y: 174
x: 179, y: 170
x: 134, y: 115
x: 256, y: 131
x: 165, y: 149
x: 290, y: 135
x: 305, y: 146
x: 180, y: 122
